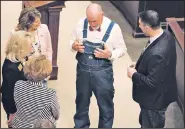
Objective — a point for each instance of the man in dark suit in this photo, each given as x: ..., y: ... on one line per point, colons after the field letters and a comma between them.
x: 153, y: 76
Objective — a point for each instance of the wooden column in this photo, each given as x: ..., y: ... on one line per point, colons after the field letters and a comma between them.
x: 53, y: 24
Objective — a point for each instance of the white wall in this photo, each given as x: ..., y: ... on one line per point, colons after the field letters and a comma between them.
x: 10, y: 11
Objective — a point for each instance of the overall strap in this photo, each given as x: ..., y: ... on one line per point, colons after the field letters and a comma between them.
x: 107, y: 34
x: 85, y: 28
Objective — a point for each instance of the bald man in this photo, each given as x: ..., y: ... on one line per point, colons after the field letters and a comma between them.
x: 98, y: 42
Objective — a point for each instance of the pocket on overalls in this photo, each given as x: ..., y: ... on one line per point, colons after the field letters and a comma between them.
x: 90, y: 47
x: 109, y: 75
x: 162, y: 115
x: 78, y: 70
x: 109, y: 72
x: 158, y: 118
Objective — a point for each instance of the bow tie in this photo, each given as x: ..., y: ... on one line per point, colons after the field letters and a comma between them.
x: 91, y: 29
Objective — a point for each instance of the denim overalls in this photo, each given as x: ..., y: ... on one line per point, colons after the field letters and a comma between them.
x: 94, y: 75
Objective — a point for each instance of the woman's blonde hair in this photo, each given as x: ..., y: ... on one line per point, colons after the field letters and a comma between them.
x: 18, y: 46
x: 37, y: 68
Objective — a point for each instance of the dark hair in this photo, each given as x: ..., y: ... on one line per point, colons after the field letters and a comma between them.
x: 27, y: 17
x: 150, y: 18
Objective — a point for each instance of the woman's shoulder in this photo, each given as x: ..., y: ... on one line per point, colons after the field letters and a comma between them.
x: 43, y: 26
x: 21, y: 82
x: 10, y: 65
x: 21, y: 85
x: 12, y: 31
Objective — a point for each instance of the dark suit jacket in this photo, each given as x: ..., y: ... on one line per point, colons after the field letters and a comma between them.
x: 11, y: 74
x: 154, y: 83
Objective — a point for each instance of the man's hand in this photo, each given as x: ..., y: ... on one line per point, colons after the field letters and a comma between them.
x: 132, y: 65
x: 130, y: 71
x: 106, y: 53
x: 11, y: 117
x: 77, y: 46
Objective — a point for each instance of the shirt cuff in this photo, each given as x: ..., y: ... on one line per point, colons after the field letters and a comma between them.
x: 70, y: 45
x: 111, y: 58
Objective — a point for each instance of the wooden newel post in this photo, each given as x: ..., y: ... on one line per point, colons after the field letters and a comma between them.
x: 54, y: 18
x: 50, y: 11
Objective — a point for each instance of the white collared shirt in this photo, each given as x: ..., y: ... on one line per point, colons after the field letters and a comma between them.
x: 115, y: 41
x: 152, y: 39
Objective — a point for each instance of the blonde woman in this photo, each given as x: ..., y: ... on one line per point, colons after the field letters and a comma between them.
x: 34, y: 101
x: 18, y: 47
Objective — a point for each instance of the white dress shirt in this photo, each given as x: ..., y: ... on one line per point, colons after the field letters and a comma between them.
x: 152, y: 39
x: 115, y: 41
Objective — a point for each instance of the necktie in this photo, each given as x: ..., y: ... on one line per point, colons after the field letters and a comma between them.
x: 91, y: 29
x: 148, y: 43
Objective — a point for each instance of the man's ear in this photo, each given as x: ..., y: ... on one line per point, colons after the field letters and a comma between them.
x: 148, y: 27
x: 102, y: 13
